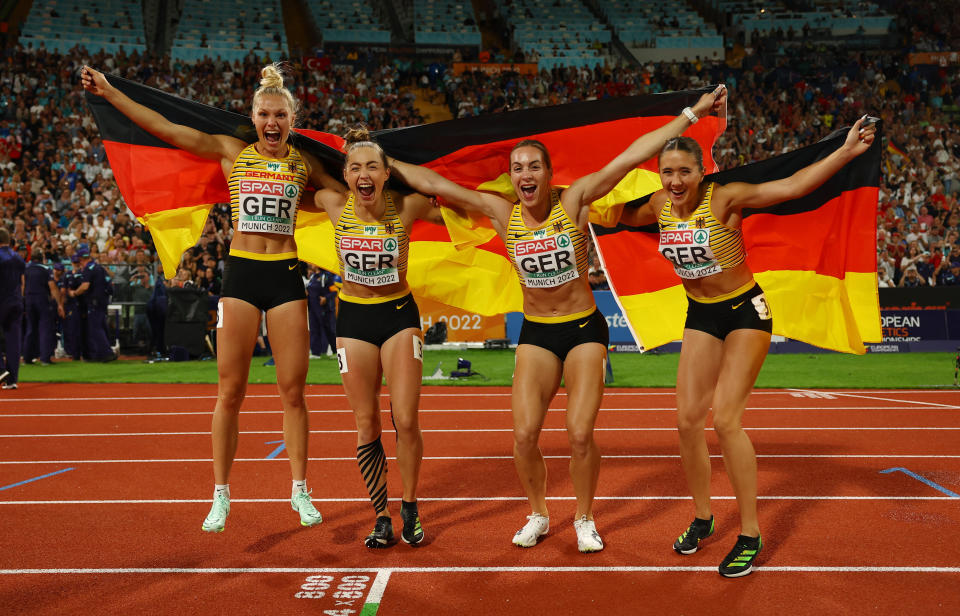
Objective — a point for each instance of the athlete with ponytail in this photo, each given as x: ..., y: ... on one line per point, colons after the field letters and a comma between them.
x: 262, y: 272
x: 378, y: 325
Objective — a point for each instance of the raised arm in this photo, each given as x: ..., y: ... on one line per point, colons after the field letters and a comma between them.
x: 199, y: 143
x: 429, y: 182
x: 740, y: 195
x: 591, y: 187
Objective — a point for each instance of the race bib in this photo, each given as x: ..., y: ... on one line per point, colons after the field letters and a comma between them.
x: 267, y: 205
x: 689, y: 251
x: 371, y: 261
x: 547, y: 261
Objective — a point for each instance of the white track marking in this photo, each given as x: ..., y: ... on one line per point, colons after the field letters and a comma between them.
x: 483, y: 430
x: 467, y: 499
x: 401, y: 570
x: 868, y: 456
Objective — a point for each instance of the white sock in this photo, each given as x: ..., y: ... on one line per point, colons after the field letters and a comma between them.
x: 223, y: 489
x: 299, y: 485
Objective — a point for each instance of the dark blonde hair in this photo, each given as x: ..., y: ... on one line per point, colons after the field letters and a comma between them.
x: 683, y: 144
x: 533, y: 143
x: 359, y: 137
x: 271, y: 84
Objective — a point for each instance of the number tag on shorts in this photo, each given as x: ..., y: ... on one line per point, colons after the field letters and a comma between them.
x: 342, y: 359
x: 220, y: 314
x: 417, y: 348
x: 763, y: 309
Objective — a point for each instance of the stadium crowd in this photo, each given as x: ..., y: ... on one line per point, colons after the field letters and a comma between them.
x: 59, y: 197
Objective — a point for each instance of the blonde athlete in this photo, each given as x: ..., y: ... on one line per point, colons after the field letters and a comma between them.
x: 378, y: 325
x: 728, y: 326
x: 266, y: 180
x: 563, y: 335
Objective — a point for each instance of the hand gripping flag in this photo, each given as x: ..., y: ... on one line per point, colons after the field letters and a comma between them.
x: 814, y: 257
x: 463, y: 264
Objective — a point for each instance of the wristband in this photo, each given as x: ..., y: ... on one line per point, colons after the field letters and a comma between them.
x: 690, y: 115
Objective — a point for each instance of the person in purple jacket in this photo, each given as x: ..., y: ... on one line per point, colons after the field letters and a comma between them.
x: 11, y: 310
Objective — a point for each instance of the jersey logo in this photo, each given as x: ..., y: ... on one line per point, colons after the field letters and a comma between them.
x: 388, y: 227
x: 584, y: 324
x: 557, y: 227
x: 293, y: 267
x: 700, y: 222
x: 735, y: 306
x: 399, y: 307
x: 369, y: 230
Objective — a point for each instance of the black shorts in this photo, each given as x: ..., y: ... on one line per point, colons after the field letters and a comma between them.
x: 561, y: 338
x: 376, y: 323
x: 749, y: 310
x: 265, y: 284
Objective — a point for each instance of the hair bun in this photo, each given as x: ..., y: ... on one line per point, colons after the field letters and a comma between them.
x: 357, y: 134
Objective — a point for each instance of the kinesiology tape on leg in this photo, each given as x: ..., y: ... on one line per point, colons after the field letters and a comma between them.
x: 373, y: 468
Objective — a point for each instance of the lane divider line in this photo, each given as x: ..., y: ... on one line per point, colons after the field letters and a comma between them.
x: 922, y: 479
x: 611, y: 569
x: 25, y: 481
x: 372, y: 602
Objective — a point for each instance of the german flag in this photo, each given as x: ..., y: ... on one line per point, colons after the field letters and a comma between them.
x: 893, y: 148
x: 463, y: 264
x: 815, y: 257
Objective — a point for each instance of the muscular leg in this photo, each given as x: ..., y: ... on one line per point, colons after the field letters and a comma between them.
x: 743, y: 353
x: 583, y: 374
x: 697, y: 373
x: 536, y: 379
x: 287, y: 329
x: 236, y: 336
x: 404, y: 374
x: 361, y: 383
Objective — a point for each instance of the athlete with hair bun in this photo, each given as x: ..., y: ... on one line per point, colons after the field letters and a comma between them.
x: 727, y: 332
x: 378, y: 325
x: 267, y: 179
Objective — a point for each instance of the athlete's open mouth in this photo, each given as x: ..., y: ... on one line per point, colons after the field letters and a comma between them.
x: 365, y: 189
x: 528, y: 190
x: 272, y: 137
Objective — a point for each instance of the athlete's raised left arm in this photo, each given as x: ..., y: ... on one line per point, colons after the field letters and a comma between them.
x: 591, y: 187
x: 739, y: 195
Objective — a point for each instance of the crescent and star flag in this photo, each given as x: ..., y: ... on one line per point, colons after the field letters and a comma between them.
x: 815, y: 257
x: 463, y: 263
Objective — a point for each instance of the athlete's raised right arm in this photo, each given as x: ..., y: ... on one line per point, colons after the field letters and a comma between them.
x: 428, y: 182
x: 199, y: 143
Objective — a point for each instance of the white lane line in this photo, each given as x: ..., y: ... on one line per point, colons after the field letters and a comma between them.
x: 400, y: 570
x: 467, y: 499
x: 671, y: 409
x: 482, y: 430
x: 863, y: 396
x: 866, y: 456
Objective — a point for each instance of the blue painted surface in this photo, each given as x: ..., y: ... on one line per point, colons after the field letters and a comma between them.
x: 25, y: 481
x: 276, y: 452
x: 922, y: 479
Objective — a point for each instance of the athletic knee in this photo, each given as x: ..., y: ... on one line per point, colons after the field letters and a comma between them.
x: 581, y: 441
x: 368, y: 429
x: 726, y: 427
x: 231, y: 395
x: 525, y: 441
x: 690, y: 425
x: 408, y: 427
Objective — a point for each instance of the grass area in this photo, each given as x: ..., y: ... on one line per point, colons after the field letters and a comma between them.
x: 817, y: 370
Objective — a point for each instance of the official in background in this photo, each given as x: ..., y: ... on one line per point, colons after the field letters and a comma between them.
x: 72, y: 326
x: 39, y: 289
x: 95, y: 295
x: 322, y: 310
x: 12, y: 267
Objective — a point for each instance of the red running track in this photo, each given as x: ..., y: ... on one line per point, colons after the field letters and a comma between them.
x: 103, y: 488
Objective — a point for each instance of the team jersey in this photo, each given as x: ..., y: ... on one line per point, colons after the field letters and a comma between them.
x: 372, y: 253
x: 550, y: 255
x: 265, y: 192
x: 700, y: 245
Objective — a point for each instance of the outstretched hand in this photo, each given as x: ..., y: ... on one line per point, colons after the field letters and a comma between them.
x: 711, y: 102
x: 860, y: 136
x: 93, y: 81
